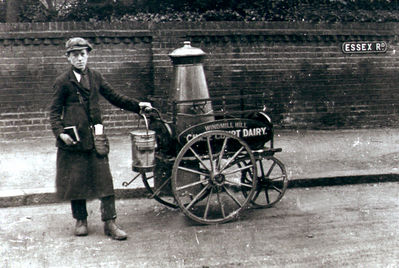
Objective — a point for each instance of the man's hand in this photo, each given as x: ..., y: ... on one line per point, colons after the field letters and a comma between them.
x: 145, y: 106
x: 67, y: 139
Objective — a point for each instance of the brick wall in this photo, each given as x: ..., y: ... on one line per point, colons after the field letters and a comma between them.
x: 307, y: 80
x: 32, y: 55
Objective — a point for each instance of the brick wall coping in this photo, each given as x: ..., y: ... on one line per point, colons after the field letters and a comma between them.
x: 66, y: 28
x: 54, y: 33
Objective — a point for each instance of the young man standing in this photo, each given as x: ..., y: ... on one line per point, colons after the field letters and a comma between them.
x: 82, y: 174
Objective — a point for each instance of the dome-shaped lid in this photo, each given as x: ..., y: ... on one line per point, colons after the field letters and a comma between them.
x: 187, y: 51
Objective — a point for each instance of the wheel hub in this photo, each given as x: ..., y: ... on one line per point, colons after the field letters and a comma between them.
x: 218, y: 179
x: 263, y: 182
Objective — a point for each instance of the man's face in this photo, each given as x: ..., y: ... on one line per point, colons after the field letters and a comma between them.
x: 78, y: 58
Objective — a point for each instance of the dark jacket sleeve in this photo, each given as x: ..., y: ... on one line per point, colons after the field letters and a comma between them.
x: 116, y: 98
x: 56, y: 109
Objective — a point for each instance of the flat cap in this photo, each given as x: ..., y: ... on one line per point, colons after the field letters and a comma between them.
x: 77, y: 43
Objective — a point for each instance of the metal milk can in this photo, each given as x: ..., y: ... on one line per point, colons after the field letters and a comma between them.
x: 189, y: 83
x: 143, y: 148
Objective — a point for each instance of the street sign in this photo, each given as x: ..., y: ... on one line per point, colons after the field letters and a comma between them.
x: 364, y: 47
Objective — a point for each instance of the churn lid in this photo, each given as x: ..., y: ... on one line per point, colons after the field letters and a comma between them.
x: 187, y: 51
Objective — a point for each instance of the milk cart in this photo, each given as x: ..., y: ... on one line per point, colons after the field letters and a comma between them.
x: 210, y: 157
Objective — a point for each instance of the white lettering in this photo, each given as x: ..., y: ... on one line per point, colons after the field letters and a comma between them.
x: 236, y: 132
x: 364, y: 47
x: 251, y: 132
x: 224, y: 125
x: 254, y: 132
x: 241, y: 124
x: 264, y: 132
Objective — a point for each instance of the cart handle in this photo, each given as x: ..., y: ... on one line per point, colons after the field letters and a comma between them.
x: 142, y: 113
x: 148, y: 110
x: 145, y: 111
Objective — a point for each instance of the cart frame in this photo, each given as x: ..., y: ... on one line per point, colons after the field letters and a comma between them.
x: 214, y: 170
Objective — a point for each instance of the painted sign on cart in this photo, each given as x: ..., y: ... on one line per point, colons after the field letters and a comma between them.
x: 365, y: 47
x: 252, y: 131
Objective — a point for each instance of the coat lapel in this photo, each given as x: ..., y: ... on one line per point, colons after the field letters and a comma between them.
x: 85, y: 91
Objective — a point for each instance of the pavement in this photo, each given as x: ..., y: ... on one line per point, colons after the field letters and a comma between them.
x: 312, y: 158
x: 343, y: 226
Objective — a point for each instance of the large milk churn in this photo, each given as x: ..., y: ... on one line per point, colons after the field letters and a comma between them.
x: 189, y: 83
x: 188, y: 88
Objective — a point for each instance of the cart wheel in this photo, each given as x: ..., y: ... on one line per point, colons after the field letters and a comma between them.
x: 206, y: 177
x: 158, y: 192
x: 272, y: 182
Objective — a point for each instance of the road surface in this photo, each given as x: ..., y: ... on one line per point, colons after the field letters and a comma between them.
x: 341, y: 226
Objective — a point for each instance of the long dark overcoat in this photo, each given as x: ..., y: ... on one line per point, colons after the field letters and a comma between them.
x: 81, y: 173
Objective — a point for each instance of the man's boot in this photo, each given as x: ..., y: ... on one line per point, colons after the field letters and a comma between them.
x: 111, y: 229
x: 81, y: 228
